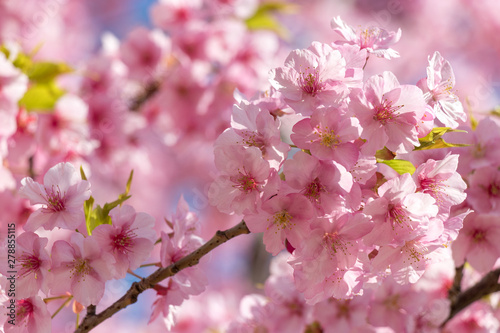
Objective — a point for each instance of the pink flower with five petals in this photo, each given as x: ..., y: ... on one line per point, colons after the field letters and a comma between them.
x: 62, y: 196
x: 130, y: 238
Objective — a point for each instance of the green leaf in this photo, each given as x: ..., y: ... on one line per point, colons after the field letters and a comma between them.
x: 100, y: 215
x: 82, y: 173
x: 23, y: 62
x: 43, y: 72
x: 129, y: 182
x: 433, y: 140
x: 90, y: 220
x: 400, y: 166
x: 41, y: 97
x: 264, y: 17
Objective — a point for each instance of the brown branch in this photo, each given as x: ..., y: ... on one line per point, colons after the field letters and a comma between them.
x: 488, y: 284
x: 92, y: 320
x: 456, y: 288
x: 150, y: 90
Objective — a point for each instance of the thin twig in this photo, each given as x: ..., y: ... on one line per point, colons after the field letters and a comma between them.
x: 130, y: 297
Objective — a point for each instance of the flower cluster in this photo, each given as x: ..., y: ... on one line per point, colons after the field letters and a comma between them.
x: 308, y: 170
x: 340, y: 164
x: 81, y: 264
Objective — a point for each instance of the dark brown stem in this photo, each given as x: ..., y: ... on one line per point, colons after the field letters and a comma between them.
x: 90, y: 321
x: 456, y: 288
x: 488, y: 284
x: 150, y: 90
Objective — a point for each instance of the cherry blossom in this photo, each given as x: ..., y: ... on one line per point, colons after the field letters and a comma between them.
x: 311, y: 77
x: 282, y: 217
x: 441, y: 181
x: 32, y: 316
x: 477, y: 242
x: 251, y: 127
x: 129, y: 238
x: 62, y: 194
x: 80, y: 267
x: 376, y: 40
x: 322, y: 182
x: 329, y: 136
x: 438, y: 93
x: 388, y: 113
x: 240, y: 186
x: 399, y: 213
x: 33, y: 265
x: 484, y: 190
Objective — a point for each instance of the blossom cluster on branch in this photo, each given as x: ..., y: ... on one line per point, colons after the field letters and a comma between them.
x: 377, y: 199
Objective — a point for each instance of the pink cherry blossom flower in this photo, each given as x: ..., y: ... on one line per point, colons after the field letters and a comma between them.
x: 311, y: 77
x: 142, y: 52
x: 173, y: 14
x: 189, y: 281
x: 438, y: 93
x: 32, y: 316
x: 441, y: 181
x: 130, y: 238
x: 341, y: 284
x: 483, y: 149
x: 484, y: 190
x: 62, y: 196
x: 244, y: 175
x: 408, y: 262
x: 477, y: 317
x: 355, y: 58
x: 374, y: 39
x: 388, y: 113
x: 33, y: 264
x: 184, y: 221
x: 282, y: 217
x: 253, y: 127
x: 253, y: 315
x: 66, y: 129
x: 399, y: 213
x: 337, y: 315
x: 287, y: 310
x: 81, y: 268
x: 324, y: 263
x: 329, y: 135
x: 478, y: 242
x: 395, y: 305
x: 323, y: 183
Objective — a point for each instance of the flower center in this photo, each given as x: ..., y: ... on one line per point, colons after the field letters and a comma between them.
x: 398, y: 216
x: 367, y: 37
x: 386, y: 113
x: 432, y: 187
x: 335, y: 244
x: 282, y: 220
x: 81, y: 268
x: 245, y: 182
x: 478, y: 236
x: 494, y: 190
x: 55, y: 200
x: 253, y: 139
x: 314, y: 189
x: 309, y: 81
x: 413, y: 254
x: 24, y: 309
x: 29, y: 264
x: 123, y: 241
x: 328, y: 138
